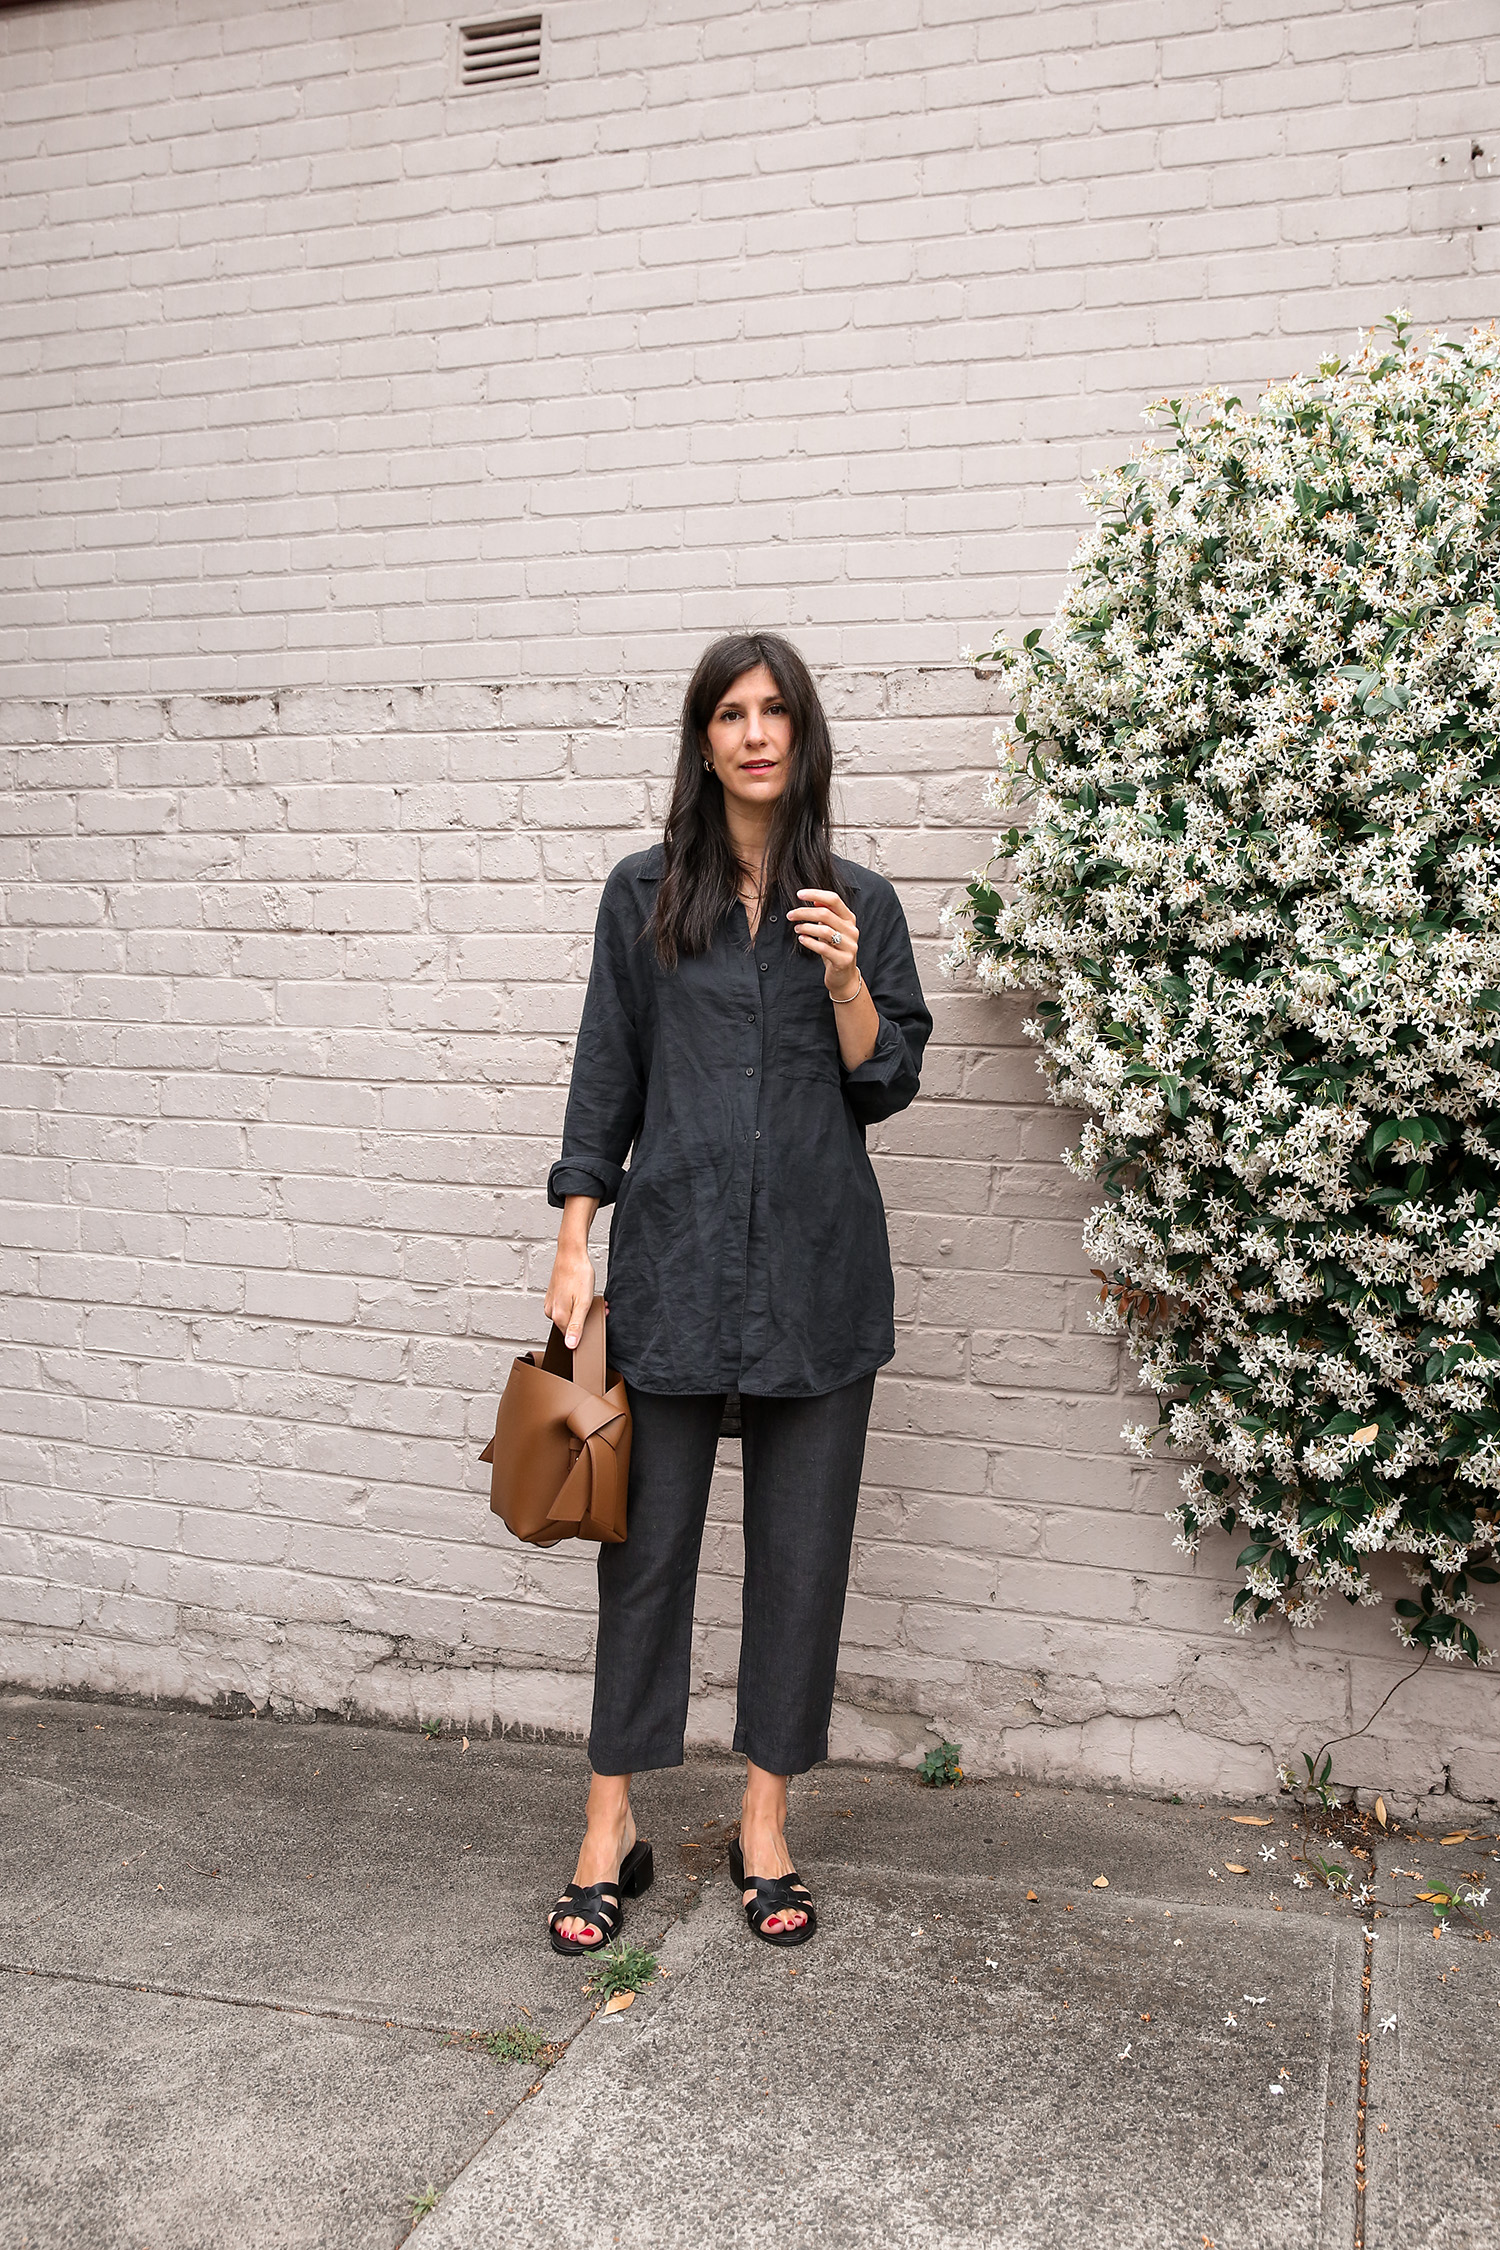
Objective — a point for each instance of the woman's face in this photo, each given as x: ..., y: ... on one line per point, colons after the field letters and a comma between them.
x: 750, y: 739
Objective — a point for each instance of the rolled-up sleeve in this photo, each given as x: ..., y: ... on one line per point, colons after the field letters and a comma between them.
x: 607, y: 1096
x: 888, y: 1081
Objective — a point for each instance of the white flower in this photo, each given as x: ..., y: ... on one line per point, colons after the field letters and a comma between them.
x: 1269, y: 1851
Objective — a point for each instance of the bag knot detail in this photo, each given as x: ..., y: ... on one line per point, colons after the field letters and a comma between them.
x: 560, y: 1455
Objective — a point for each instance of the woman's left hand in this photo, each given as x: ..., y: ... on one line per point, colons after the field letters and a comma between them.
x: 825, y: 926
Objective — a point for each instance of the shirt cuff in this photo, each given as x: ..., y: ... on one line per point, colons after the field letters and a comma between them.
x: 888, y: 1061
x: 584, y: 1175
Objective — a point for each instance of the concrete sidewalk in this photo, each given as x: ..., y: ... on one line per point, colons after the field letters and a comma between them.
x: 243, y: 1964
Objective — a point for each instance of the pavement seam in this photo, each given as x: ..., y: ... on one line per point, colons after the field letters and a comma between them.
x: 1367, y: 1969
x: 684, y: 1925
x: 285, y: 2006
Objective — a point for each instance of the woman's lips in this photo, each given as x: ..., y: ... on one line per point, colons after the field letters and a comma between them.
x: 758, y: 765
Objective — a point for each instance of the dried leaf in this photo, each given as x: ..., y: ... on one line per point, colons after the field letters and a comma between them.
x: 617, y: 2001
x: 1434, y: 1898
x: 1459, y: 1836
x: 466, y: 1742
x: 1101, y: 1882
x: 1363, y: 1437
x: 1380, y: 1810
x: 1252, y: 1820
x: 1235, y: 1868
x: 1031, y: 1895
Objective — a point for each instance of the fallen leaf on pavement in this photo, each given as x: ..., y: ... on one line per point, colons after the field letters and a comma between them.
x: 617, y: 2001
x: 1101, y: 1882
x: 1252, y: 1820
x: 1459, y: 1836
x: 1235, y: 1868
x: 1031, y: 1895
x: 1380, y: 1810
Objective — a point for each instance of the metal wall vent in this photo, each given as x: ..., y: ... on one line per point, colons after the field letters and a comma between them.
x: 494, y: 53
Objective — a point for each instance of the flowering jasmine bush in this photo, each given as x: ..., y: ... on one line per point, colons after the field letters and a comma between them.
x: 1259, y: 892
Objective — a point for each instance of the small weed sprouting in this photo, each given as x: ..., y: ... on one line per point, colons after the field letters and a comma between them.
x: 425, y: 2201
x: 432, y: 1728
x: 621, y: 1968
x: 1443, y: 1901
x: 1317, y: 1784
x: 940, y: 1768
x: 1335, y: 1876
x: 514, y: 2044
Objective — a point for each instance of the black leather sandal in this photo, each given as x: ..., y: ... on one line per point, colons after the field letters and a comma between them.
x: 774, y: 1894
x: 599, y: 1903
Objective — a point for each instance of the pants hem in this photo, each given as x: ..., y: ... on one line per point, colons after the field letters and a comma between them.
x: 623, y: 1762
x: 779, y: 1760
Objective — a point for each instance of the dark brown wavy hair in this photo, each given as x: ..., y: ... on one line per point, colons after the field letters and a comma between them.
x: 700, y: 874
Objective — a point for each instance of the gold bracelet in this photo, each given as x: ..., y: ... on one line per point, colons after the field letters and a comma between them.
x: 854, y: 995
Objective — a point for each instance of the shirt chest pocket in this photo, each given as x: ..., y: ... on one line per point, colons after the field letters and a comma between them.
x: 807, y: 1039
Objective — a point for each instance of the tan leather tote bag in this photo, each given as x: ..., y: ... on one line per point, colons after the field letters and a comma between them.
x: 560, y: 1455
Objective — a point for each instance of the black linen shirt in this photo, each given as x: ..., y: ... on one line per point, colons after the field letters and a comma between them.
x: 748, y: 1246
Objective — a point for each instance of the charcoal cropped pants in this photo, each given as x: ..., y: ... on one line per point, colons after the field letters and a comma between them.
x: 802, y: 1459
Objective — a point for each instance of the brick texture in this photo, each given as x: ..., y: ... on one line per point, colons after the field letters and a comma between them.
x: 290, y: 985
x: 375, y: 459
x: 319, y: 371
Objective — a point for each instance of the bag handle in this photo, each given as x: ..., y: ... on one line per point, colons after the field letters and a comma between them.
x: 586, y: 1365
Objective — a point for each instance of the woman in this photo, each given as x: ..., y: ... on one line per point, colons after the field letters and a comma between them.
x: 752, y: 1007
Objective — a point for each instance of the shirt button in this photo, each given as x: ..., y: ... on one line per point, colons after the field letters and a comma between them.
x: 749, y: 1015
x: 764, y: 966
x: 757, y: 1136
x: 749, y: 1073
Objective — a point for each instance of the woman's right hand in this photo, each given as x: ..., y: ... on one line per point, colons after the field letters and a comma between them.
x: 570, y: 1292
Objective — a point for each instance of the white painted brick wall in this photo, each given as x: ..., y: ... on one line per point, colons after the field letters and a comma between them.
x: 318, y: 371
x: 331, y: 398
x: 290, y: 983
